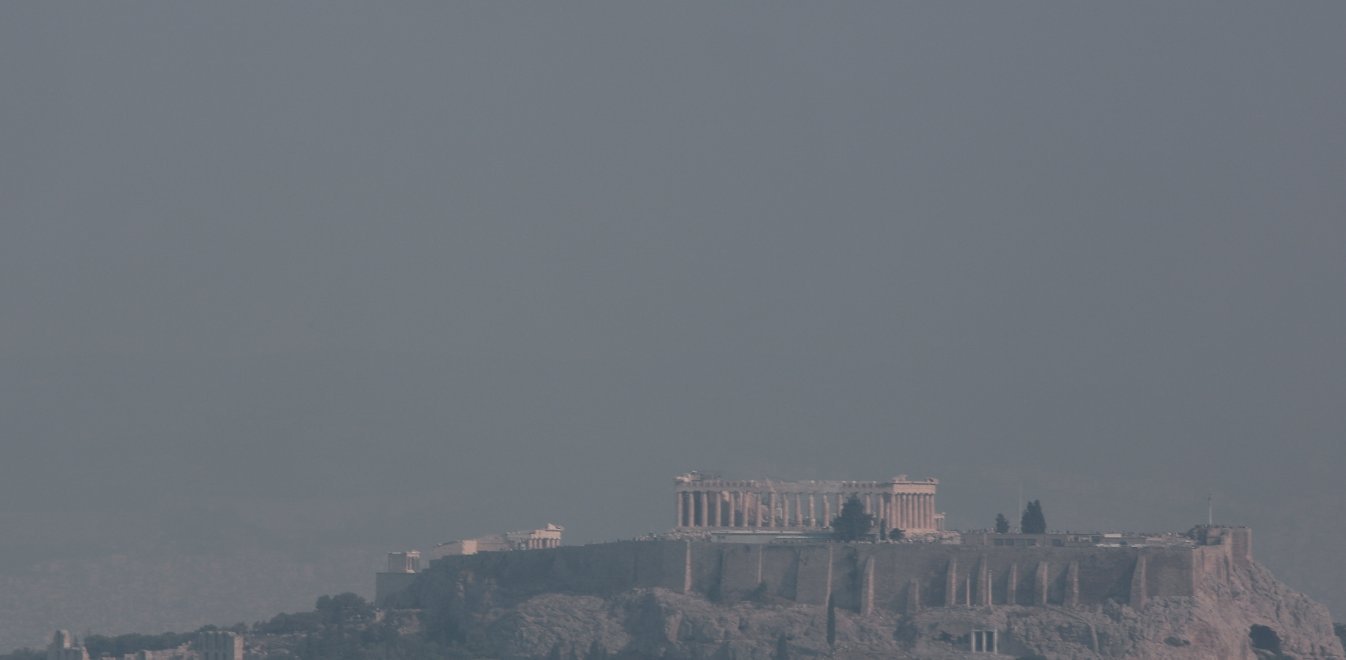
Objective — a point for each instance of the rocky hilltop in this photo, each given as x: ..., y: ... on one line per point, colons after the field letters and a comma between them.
x: 586, y: 602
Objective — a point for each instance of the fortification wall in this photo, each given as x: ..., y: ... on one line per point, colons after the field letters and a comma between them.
x: 895, y: 577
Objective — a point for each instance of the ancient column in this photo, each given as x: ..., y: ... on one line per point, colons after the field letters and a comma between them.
x: 983, y: 583
x: 715, y: 509
x: 1012, y: 586
x: 1138, y: 578
x: 951, y: 583
x: 813, y: 513
x: 1040, y: 584
x: 687, y: 567
x: 1073, y: 584
x: 867, y: 587
x: 913, y: 596
x: 827, y: 510
x: 678, y: 506
x: 757, y: 507
x: 700, y: 509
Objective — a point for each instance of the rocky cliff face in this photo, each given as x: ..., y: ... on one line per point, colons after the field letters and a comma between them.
x: 1244, y: 614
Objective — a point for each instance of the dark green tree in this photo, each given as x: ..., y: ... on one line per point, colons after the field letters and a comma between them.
x: 1033, y: 522
x: 896, y: 534
x: 853, y: 524
x: 343, y: 609
x: 1001, y: 524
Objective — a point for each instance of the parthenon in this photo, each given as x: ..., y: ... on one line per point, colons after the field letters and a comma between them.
x: 703, y: 501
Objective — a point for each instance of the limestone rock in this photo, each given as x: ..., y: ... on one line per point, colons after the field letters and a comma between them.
x: 660, y: 623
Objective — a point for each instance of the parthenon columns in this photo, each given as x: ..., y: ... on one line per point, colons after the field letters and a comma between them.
x: 715, y: 504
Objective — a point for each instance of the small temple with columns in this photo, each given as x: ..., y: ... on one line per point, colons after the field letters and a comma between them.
x: 708, y: 502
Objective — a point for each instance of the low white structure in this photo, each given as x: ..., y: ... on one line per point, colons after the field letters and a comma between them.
x: 531, y: 539
x: 64, y: 646
x: 404, y: 562
x: 219, y: 645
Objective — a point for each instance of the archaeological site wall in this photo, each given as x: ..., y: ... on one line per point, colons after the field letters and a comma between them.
x: 858, y: 576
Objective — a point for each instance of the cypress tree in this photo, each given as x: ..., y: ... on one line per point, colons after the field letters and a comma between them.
x: 853, y: 524
x: 1001, y: 524
x: 1033, y: 522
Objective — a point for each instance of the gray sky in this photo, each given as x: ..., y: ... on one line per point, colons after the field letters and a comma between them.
x: 466, y: 267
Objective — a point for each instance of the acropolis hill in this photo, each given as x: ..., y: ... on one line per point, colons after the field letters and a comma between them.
x: 750, y: 570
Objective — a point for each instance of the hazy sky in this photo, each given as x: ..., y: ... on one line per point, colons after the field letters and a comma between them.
x: 498, y: 264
